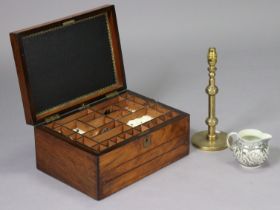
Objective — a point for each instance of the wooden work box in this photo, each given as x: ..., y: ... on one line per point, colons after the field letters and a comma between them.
x: 90, y: 131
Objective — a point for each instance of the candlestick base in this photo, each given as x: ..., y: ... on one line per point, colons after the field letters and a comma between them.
x: 200, y: 141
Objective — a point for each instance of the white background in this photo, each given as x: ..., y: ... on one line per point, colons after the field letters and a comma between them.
x: 164, y: 46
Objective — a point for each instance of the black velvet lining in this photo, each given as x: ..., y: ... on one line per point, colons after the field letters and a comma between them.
x: 68, y: 62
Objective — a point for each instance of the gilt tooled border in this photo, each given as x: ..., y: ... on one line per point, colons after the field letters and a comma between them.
x: 94, y: 93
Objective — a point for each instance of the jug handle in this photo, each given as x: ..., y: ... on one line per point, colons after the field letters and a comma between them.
x: 230, y: 143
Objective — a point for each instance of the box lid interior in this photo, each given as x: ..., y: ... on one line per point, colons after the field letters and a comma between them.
x: 69, y: 62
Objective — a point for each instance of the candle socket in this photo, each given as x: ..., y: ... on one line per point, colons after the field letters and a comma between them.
x: 211, y: 140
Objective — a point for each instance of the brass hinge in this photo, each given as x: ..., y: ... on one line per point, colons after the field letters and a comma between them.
x: 68, y: 22
x: 52, y: 118
x: 112, y: 94
x: 84, y: 106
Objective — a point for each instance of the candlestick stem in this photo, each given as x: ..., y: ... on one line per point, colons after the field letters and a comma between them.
x: 211, y: 140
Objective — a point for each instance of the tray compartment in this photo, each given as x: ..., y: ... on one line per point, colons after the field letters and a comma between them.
x: 78, y: 126
x: 141, y: 128
x: 154, y: 122
x: 118, y: 114
x: 133, y: 132
x: 140, y: 117
x: 129, y: 105
x: 75, y: 136
x: 107, y: 103
x: 99, y: 147
x: 125, y: 136
x: 135, y: 99
x: 53, y: 125
x: 111, y: 133
x: 158, y: 108
x: 90, y: 117
x: 117, y: 139
x: 63, y: 130
x: 74, y: 116
x: 170, y: 115
x: 103, y: 129
x: 88, y: 141
x: 120, y: 138
x: 108, y: 143
x: 98, y: 122
x: 109, y: 110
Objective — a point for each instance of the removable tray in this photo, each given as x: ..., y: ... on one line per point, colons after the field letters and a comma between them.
x: 113, y: 121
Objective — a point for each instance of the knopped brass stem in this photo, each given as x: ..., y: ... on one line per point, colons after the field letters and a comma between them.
x: 212, y: 90
x: 211, y: 140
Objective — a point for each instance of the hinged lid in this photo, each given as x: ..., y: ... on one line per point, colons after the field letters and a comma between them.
x: 69, y: 62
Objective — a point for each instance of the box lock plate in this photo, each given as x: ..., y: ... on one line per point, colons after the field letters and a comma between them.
x: 147, y: 141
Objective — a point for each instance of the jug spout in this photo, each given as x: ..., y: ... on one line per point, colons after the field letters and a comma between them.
x: 266, y: 136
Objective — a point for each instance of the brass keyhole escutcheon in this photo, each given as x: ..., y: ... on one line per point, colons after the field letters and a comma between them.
x: 147, y: 142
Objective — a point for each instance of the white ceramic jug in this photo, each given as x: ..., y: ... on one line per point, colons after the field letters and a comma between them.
x: 249, y: 146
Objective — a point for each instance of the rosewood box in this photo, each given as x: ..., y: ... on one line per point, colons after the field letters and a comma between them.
x: 90, y: 131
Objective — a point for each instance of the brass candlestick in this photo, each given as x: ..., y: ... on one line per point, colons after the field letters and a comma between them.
x: 211, y: 140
